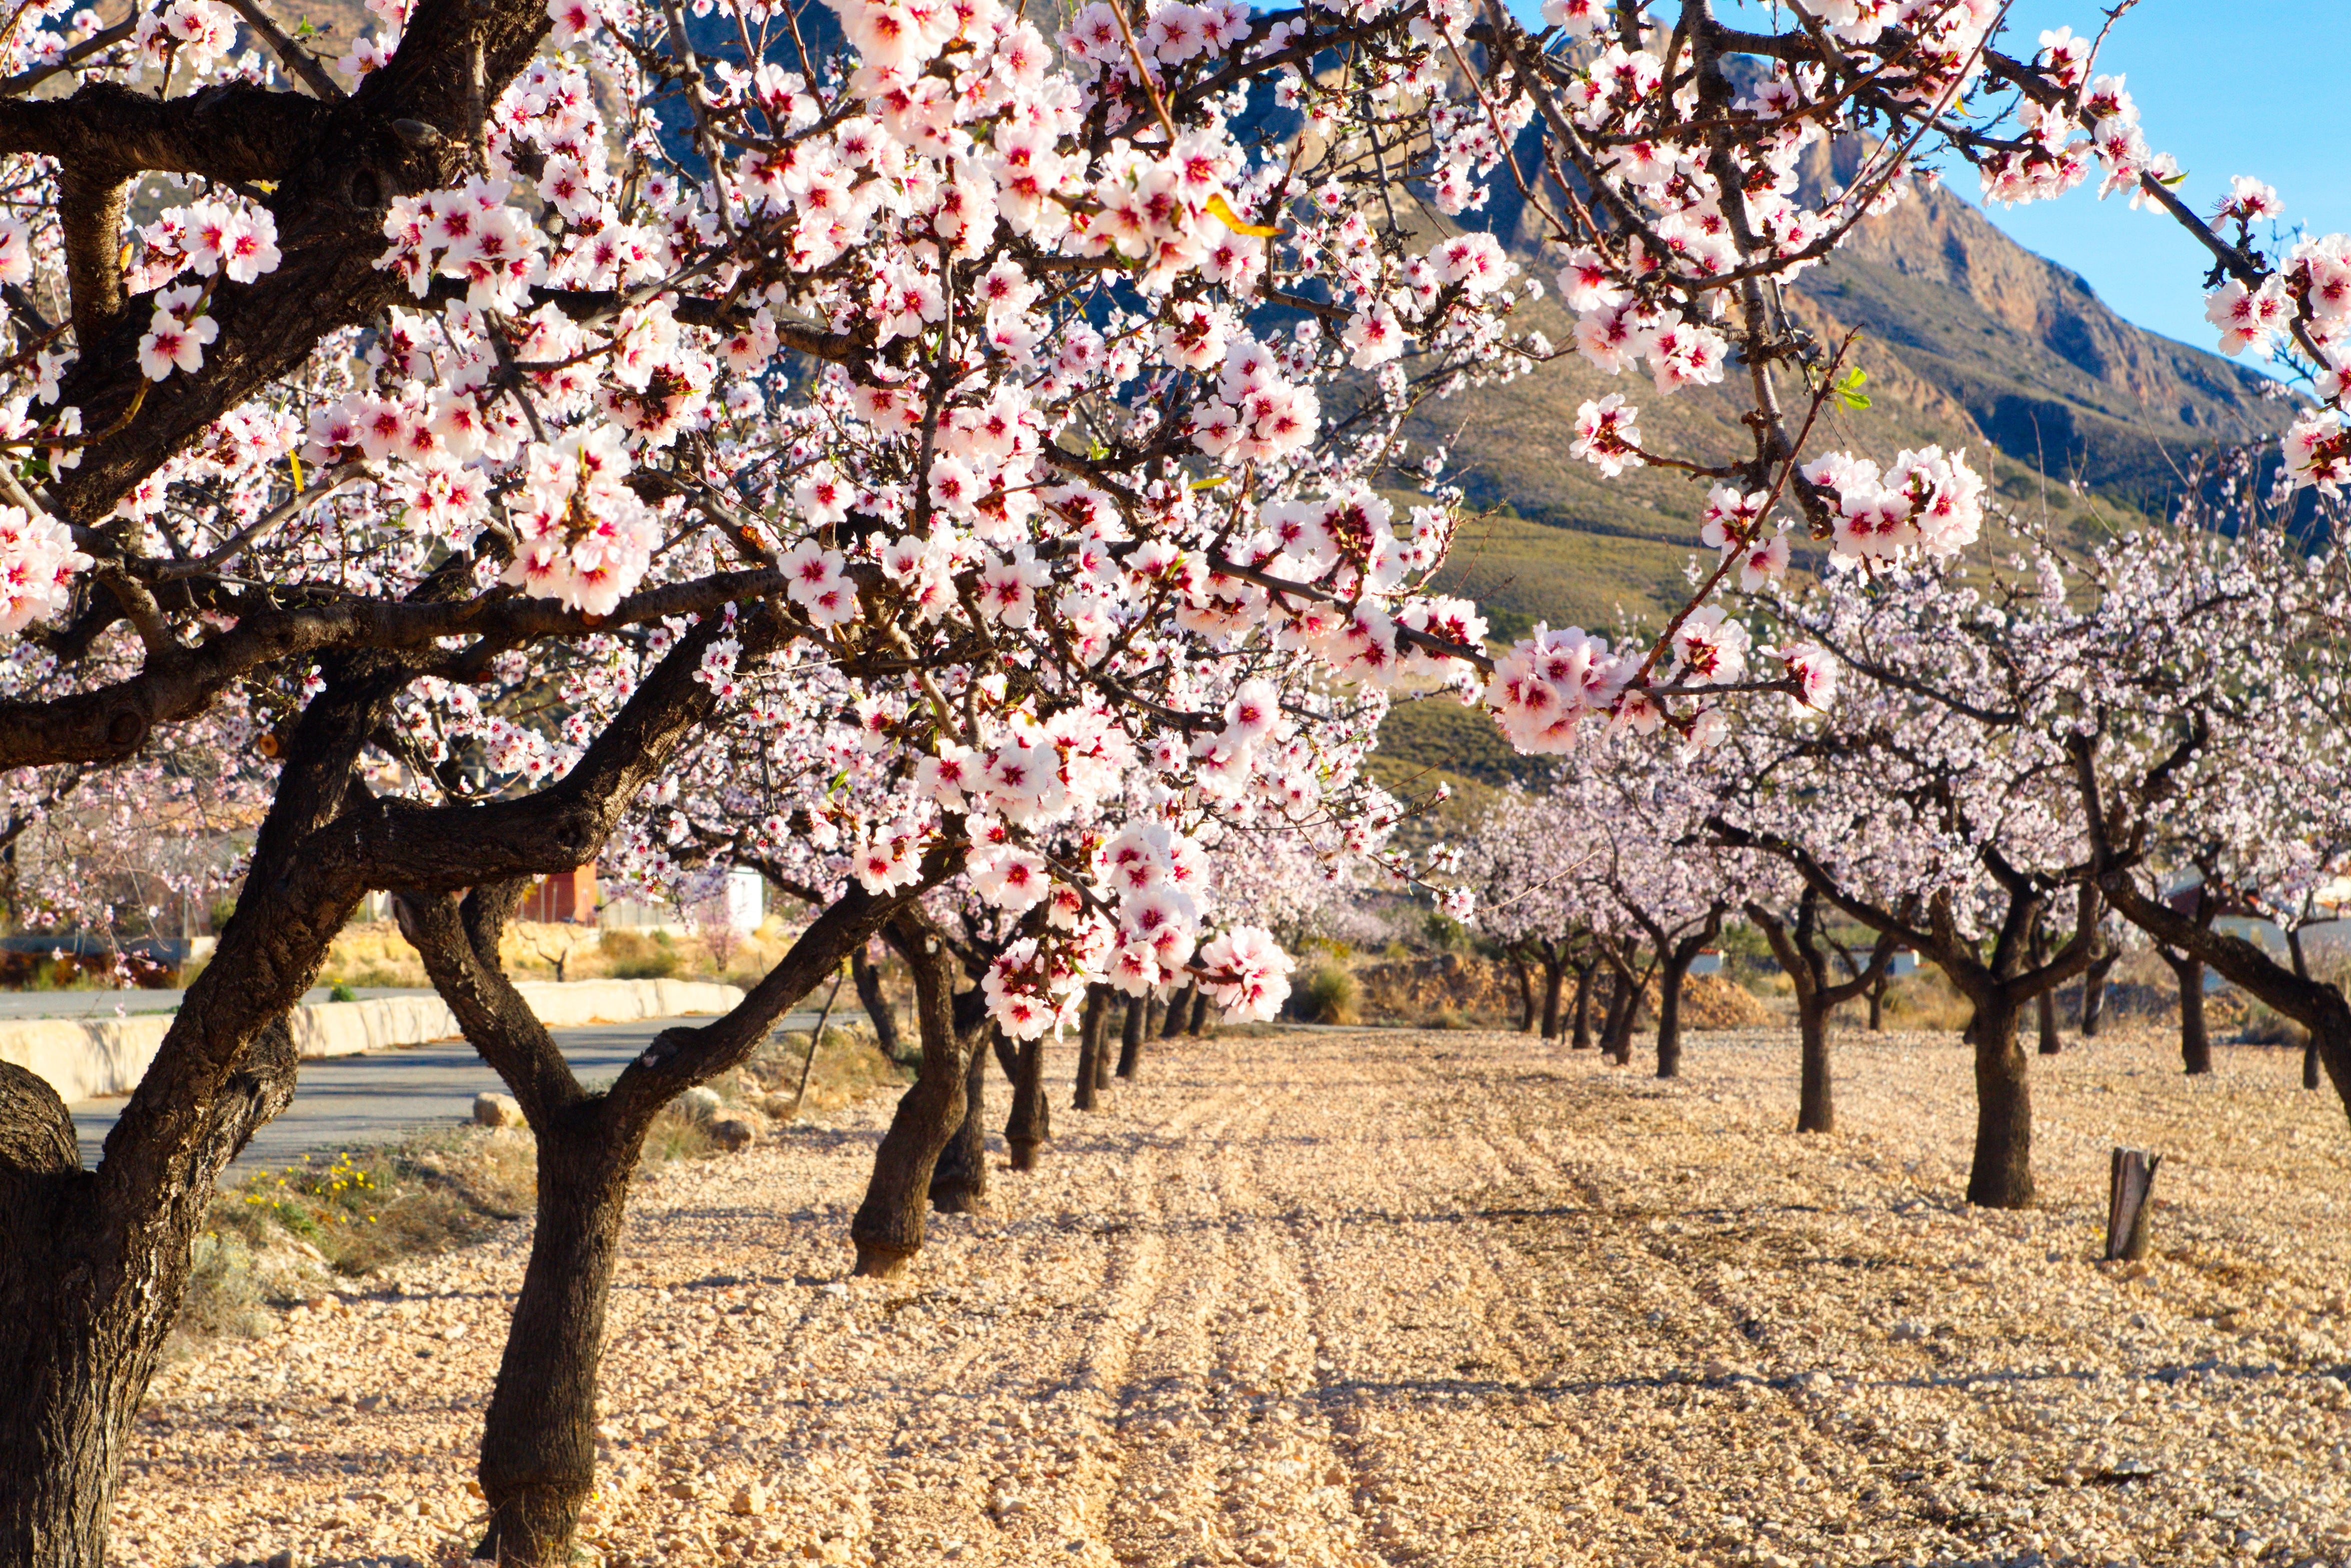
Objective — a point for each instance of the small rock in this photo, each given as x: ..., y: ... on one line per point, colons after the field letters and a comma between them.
x: 684, y: 1490
x: 290, y: 1558
x: 734, y: 1133
x: 750, y: 1501
x: 496, y: 1111
x: 699, y: 1103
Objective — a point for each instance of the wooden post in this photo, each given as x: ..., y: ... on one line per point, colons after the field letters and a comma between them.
x: 2129, y: 1200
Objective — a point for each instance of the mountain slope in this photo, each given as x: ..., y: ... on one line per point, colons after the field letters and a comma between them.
x: 1969, y: 341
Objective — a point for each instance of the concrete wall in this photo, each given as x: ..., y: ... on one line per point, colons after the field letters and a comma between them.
x: 89, y: 1059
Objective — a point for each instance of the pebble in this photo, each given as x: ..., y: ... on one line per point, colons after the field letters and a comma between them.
x: 1335, y: 1300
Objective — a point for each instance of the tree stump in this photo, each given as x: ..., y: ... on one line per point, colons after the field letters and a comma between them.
x: 2130, y: 1199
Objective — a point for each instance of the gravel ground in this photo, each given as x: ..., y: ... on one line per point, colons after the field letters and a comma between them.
x: 1360, y: 1299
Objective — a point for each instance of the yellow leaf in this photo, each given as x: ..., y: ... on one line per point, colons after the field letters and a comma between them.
x: 1222, y: 211
x: 294, y: 461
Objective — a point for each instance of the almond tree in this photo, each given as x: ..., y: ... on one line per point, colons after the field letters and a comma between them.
x: 1933, y: 805
x: 1787, y: 910
x: 994, y: 379
x: 2210, y: 750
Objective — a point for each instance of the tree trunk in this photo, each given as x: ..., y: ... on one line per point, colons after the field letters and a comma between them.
x: 1030, y: 1124
x: 2310, y: 1063
x: 1130, y: 1039
x: 1815, y: 1091
x: 1582, y: 1040
x: 1670, y: 976
x: 2195, y: 1039
x: 1624, y: 1005
x: 2046, y: 1005
x: 1179, y: 1011
x: 2002, y: 1176
x: 866, y: 976
x: 2093, y: 993
x: 87, y: 1299
x: 960, y: 1180
x: 1138, y: 1029
x: 1094, y: 1025
x: 1199, y: 1024
x: 888, y: 1227
x: 538, y: 1442
x: 1877, y: 1005
x: 1554, y: 989
x: 1526, y: 984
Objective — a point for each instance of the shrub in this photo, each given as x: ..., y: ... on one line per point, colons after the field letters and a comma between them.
x: 343, y: 993
x: 2265, y: 1026
x: 631, y: 957
x: 1330, y: 994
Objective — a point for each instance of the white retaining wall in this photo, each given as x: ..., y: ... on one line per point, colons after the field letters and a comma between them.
x: 87, y: 1059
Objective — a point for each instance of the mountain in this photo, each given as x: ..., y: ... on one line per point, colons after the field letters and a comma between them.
x: 1969, y: 341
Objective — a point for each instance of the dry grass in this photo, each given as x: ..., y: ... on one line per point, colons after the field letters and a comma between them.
x: 284, y: 1235
x: 374, y: 953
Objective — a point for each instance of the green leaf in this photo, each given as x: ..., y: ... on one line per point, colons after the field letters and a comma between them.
x: 1847, y: 388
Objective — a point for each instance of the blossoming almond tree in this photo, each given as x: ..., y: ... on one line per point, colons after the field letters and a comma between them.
x: 1928, y: 806
x: 1002, y: 374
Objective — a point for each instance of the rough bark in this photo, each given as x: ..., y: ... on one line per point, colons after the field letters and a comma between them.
x: 1554, y: 989
x: 1799, y: 946
x: 1093, y: 1026
x: 959, y: 1179
x: 866, y: 976
x: 1623, y: 1005
x: 2093, y: 993
x: 1583, y: 1034
x: 2002, y: 1175
x: 1877, y: 1003
x: 1670, y: 976
x: 888, y: 1227
x: 2195, y: 1039
x: 1138, y: 1029
x: 1523, y: 978
x: 538, y: 1441
x: 1130, y: 1029
x: 1199, y: 1024
x: 2045, y: 1005
x: 1029, y: 1126
x: 1179, y: 1010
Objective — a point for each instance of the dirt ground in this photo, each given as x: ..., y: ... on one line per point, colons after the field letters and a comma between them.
x: 1374, y: 1298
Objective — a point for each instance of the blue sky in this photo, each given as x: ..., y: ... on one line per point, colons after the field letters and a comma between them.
x: 2227, y: 87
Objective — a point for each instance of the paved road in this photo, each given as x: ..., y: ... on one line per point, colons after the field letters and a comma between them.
x: 344, y: 1100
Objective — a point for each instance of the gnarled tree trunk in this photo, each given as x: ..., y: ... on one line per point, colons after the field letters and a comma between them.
x: 1030, y: 1122
x: 1093, y: 1028
x: 2045, y: 1005
x: 1199, y: 1024
x: 2001, y: 1175
x: 1523, y: 978
x: 1179, y: 1010
x: 1815, y: 1090
x: 959, y: 1179
x: 1138, y: 1029
x: 1555, y: 987
x: 2093, y: 993
x: 87, y: 1301
x: 1671, y: 974
x: 538, y: 1464
x: 1130, y: 1040
x: 2195, y: 1039
x: 866, y: 976
x: 888, y: 1227
x: 1583, y: 1034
